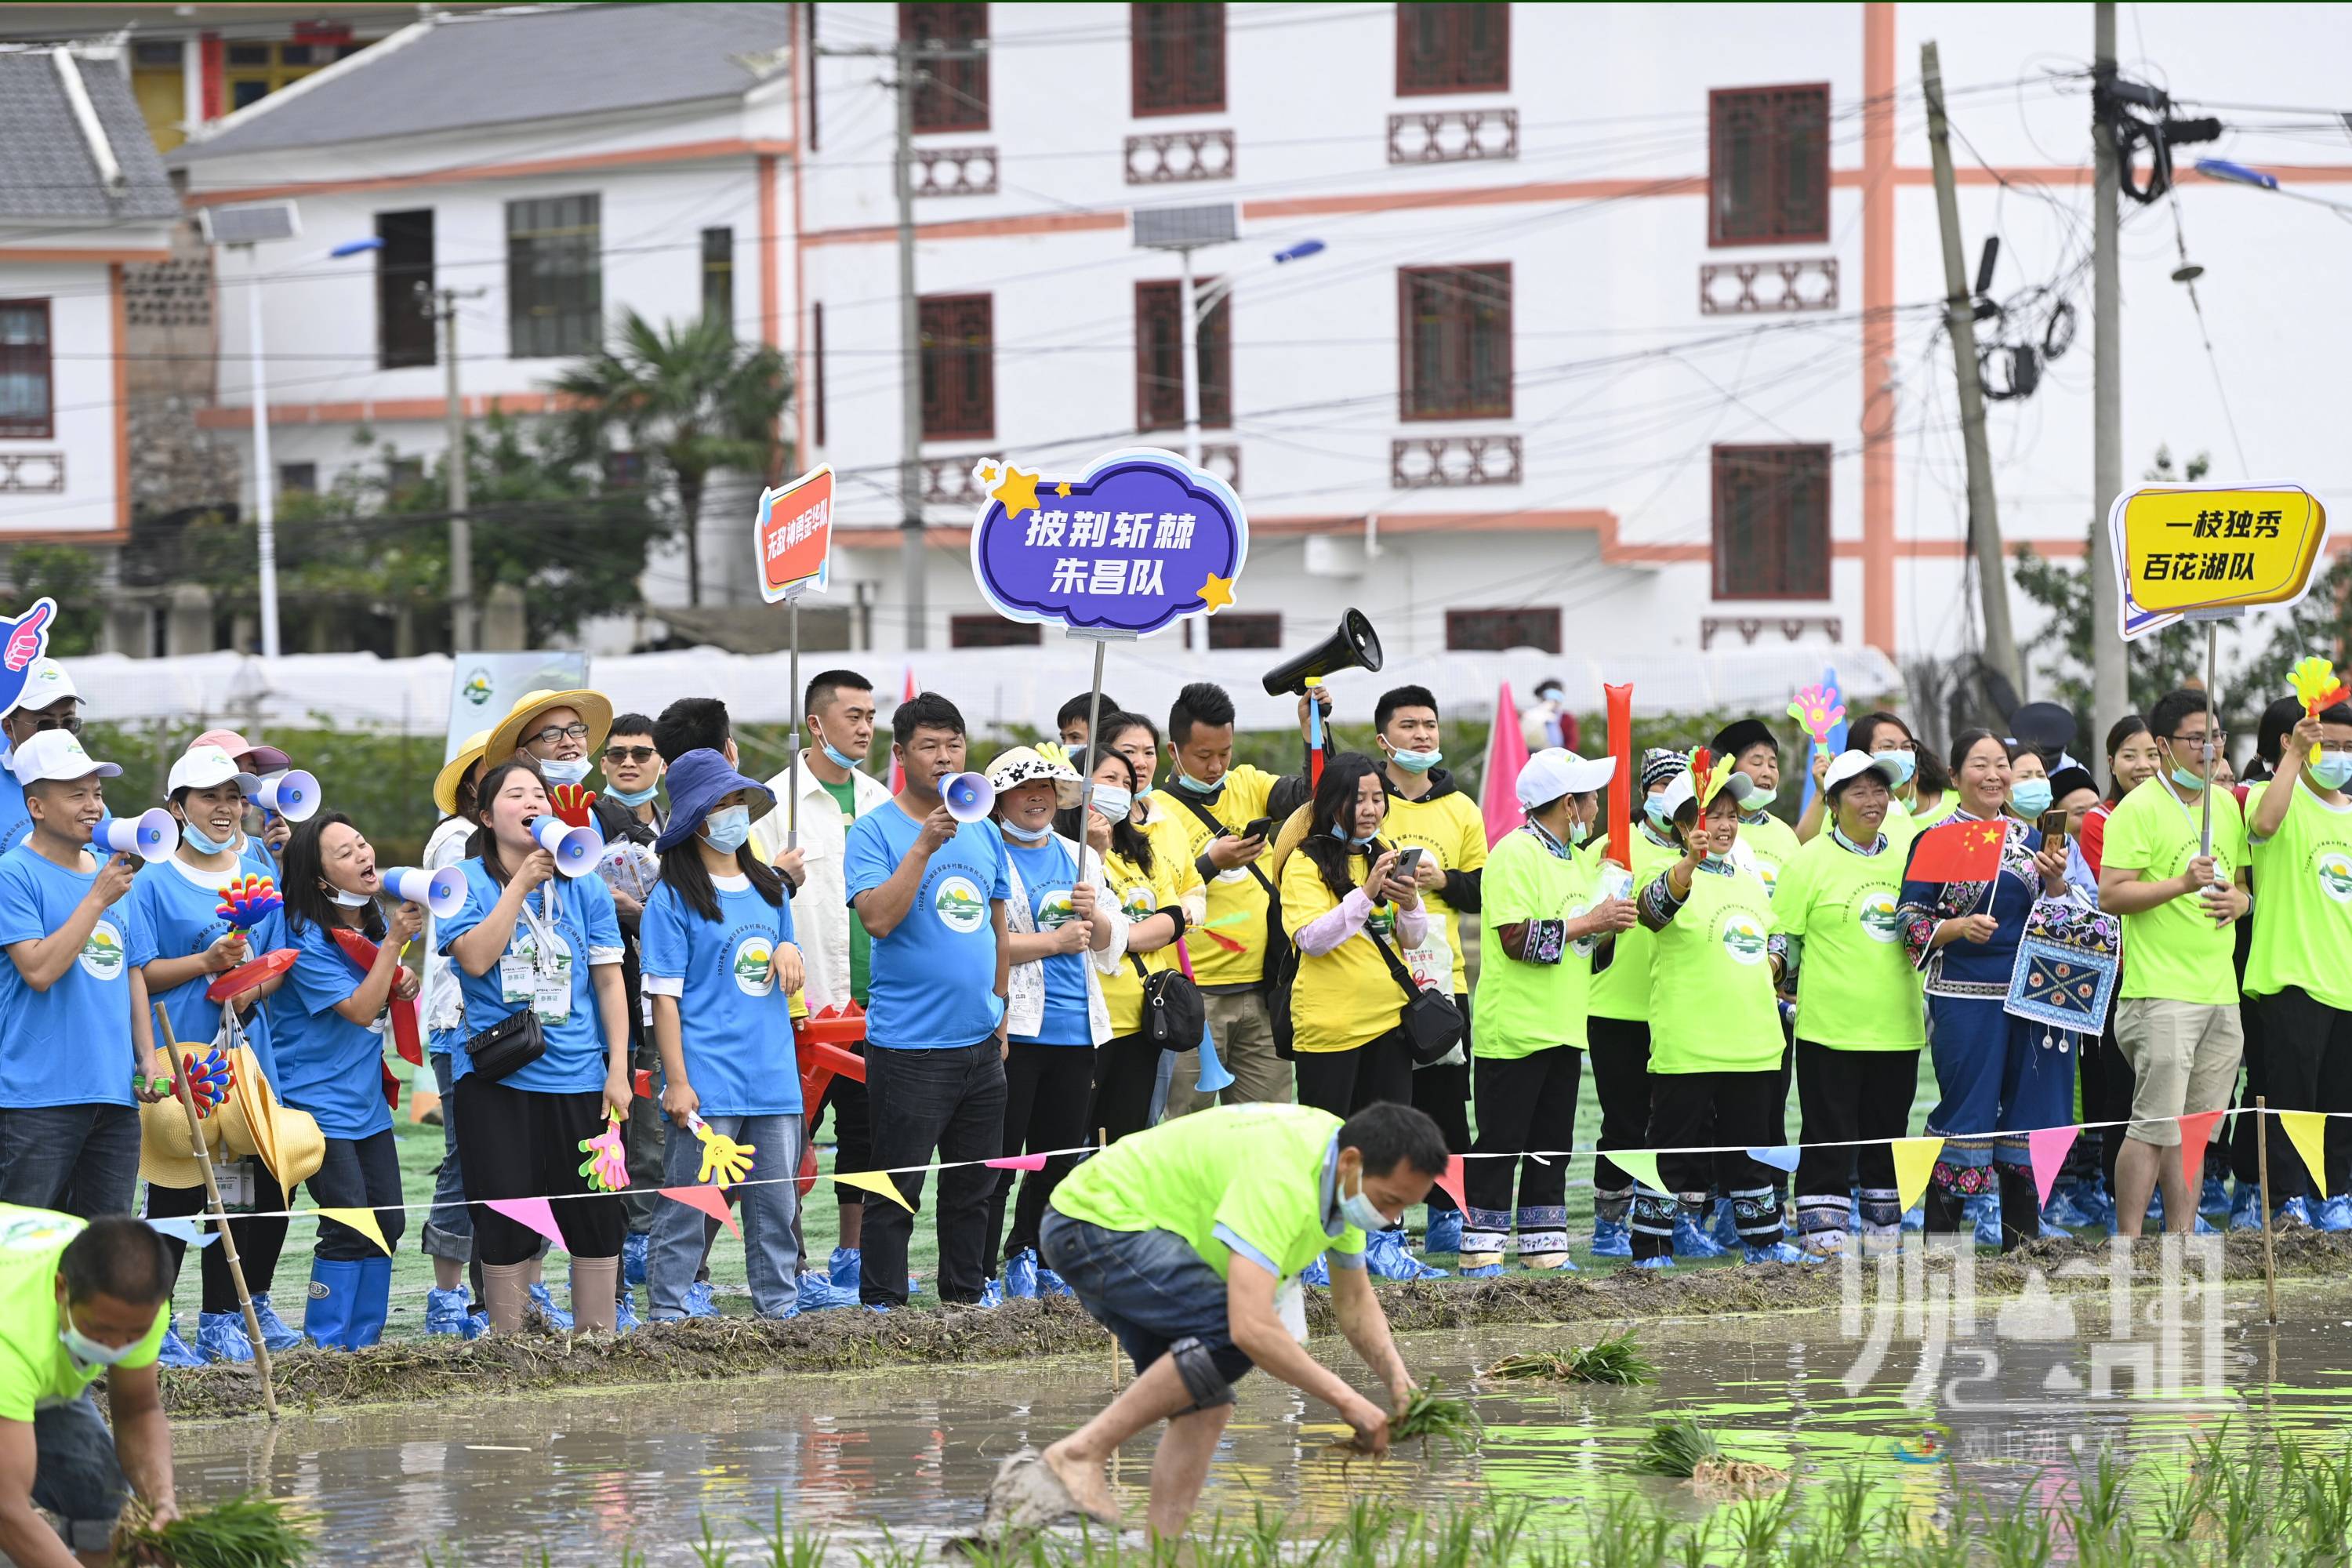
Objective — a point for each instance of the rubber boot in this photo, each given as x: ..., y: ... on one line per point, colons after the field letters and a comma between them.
x: 374, y: 1303
x: 594, y: 1282
x: 2020, y: 1206
x: 329, y: 1316
x: 506, y: 1288
x: 1944, y: 1210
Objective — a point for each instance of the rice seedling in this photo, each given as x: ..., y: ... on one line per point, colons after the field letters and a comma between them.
x: 1680, y: 1449
x: 1616, y: 1360
x: 248, y: 1531
x: 1428, y: 1413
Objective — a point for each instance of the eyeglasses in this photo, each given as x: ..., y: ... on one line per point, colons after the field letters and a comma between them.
x: 2210, y: 738
x: 630, y: 753
x: 555, y: 732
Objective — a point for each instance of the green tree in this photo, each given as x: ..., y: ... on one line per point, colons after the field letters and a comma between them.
x: 67, y: 574
x: 694, y: 400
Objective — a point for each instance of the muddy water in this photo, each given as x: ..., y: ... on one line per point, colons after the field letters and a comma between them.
x: 586, y: 1475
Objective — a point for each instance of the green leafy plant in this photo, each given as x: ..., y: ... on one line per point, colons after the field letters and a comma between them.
x: 248, y: 1531
x: 1676, y: 1447
x: 1616, y: 1360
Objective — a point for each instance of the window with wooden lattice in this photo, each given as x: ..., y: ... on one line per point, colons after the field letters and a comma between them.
x: 26, y: 405
x: 1767, y: 175
x: 1230, y: 630
x: 993, y: 631
x: 1772, y: 522
x: 1177, y: 56
x: 953, y: 95
x: 1493, y: 631
x: 959, y: 367
x: 1452, y: 48
x: 1160, y: 359
x: 1453, y: 341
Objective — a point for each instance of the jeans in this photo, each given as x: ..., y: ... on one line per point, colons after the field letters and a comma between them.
x: 358, y: 1172
x: 769, y: 1251
x: 81, y: 1160
x: 449, y: 1224
x: 951, y: 1101
x: 1148, y: 1287
x: 77, y: 1475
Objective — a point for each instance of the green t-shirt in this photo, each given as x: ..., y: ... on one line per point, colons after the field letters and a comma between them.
x: 35, y: 1368
x: 1855, y: 988
x: 1521, y: 1009
x: 1256, y: 1179
x: 1771, y: 844
x: 2302, y: 904
x: 1711, y: 1003
x: 2174, y: 951
x: 861, y: 946
x: 1622, y: 990
x: 1900, y: 828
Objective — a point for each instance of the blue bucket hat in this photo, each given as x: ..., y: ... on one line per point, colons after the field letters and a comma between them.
x: 699, y: 780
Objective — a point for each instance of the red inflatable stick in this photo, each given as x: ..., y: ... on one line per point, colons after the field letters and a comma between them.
x: 1628, y: 782
x: 361, y: 952
x: 246, y: 976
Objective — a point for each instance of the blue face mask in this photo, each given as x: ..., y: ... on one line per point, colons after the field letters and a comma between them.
x: 1655, y: 809
x: 2331, y: 770
x: 2189, y: 778
x: 1902, y: 765
x: 87, y: 1350
x: 2030, y: 796
x: 1361, y: 1211
x: 727, y: 829
x: 563, y: 771
x: 1015, y: 830
x: 1350, y: 839
x: 634, y: 798
x: 1113, y: 804
x: 1417, y: 762
x: 838, y: 757
x: 1186, y: 781
x: 197, y: 840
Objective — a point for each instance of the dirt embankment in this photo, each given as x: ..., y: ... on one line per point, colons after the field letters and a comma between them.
x: 413, y: 1370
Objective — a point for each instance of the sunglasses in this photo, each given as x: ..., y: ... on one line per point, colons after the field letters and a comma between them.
x: 630, y: 753
x: 71, y: 726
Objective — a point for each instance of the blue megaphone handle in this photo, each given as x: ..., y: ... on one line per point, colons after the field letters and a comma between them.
x: 1213, y: 1076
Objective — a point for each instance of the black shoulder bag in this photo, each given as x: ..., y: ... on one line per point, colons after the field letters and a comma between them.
x: 1173, y: 1012
x: 1432, y: 1022
x: 507, y: 1047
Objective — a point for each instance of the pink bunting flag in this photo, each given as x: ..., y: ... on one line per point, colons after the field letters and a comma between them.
x: 2049, y: 1147
x: 1452, y: 1181
x: 1017, y: 1162
x: 537, y: 1214
x: 2195, y: 1127
x: 712, y: 1201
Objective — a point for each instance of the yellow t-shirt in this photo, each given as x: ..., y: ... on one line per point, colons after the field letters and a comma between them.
x: 1141, y: 894
x: 1347, y: 996
x: 1238, y: 891
x: 1450, y: 829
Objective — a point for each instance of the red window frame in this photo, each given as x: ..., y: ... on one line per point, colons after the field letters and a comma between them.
x: 1176, y: 59
x: 1493, y: 631
x: 1246, y: 629
x: 954, y: 93
x: 1770, y: 522
x: 1440, y: 49
x: 1159, y: 358
x: 994, y: 631
x: 1444, y: 328
x: 959, y: 359
x: 1785, y: 131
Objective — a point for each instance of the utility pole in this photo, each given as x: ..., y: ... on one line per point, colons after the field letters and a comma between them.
x: 2110, y: 681
x: 912, y: 566
x: 1984, y: 517
x: 461, y: 531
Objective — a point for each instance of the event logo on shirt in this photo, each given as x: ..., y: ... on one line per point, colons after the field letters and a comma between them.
x: 959, y: 905
x: 755, y: 966
x: 1055, y: 910
x: 1876, y: 909
x: 1743, y: 936
x: 101, y: 951
x: 37, y: 1232
x: 1583, y: 946
x: 1137, y: 901
x: 1768, y: 872
x: 2334, y: 871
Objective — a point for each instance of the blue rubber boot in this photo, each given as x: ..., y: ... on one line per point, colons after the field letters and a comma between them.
x: 220, y: 1336
x: 276, y: 1331
x: 175, y: 1350
x: 625, y: 1311
x: 844, y: 1267
x: 1611, y: 1239
x: 633, y: 1258
x: 1021, y: 1275
x: 444, y: 1312
x: 1690, y: 1241
x: 374, y: 1303
x: 2335, y: 1214
x: 1984, y: 1209
x: 1725, y: 1229
x: 1444, y: 1232
x: 1386, y: 1257
x: 334, y: 1302
x: 2245, y: 1208
x: 699, y: 1300
x: 1051, y: 1284
x: 818, y: 1292
x: 556, y: 1317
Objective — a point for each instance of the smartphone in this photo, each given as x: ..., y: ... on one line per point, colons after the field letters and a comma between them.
x: 1261, y: 828
x: 1407, y: 864
x: 2053, y: 829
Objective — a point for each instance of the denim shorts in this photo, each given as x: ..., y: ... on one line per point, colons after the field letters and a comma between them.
x: 1148, y: 1287
x: 76, y: 1476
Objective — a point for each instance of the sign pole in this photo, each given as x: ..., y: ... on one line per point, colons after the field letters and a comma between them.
x: 2213, y: 728
x: 792, y: 767
x: 792, y: 535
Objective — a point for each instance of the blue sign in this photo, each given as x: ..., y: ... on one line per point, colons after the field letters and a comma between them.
x: 1141, y: 539
x: 22, y: 642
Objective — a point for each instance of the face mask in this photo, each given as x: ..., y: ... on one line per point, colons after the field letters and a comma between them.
x: 350, y: 900
x: 558, y: 772
x: 1112, y: 804
x: 2332, y: 770
x: 1416, y: 762
x: 634, y: 798
x: 1361, y: 1211
x: 1902, y: 765
x: 727, y: 829
x: 838, y: 757
x: 1351, y: 840
x: 2030, y: 796
x: 87, y: 1350
x: 2189, y: 778
x: 1655, y: 809
x: 1025, y: 835
x: 196, y: 839
x: 1186, y: 781
x: 1578, y: 831
x: 1718, y: 857
x: 1751, y: 795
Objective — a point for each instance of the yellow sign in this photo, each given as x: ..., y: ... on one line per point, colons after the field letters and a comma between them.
x: 2183, y: 548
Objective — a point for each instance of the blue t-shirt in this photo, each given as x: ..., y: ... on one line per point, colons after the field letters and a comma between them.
x: 933, y: 978
x: 69, y: 1045
x: 256, y: 859
x: 327, y: 1065
x: 1047, y: 875
x: 182, y: 918
x: 16, y: 822
x: 734, y: 1029
x: 586, y: 931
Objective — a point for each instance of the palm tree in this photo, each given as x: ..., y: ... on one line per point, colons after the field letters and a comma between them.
x: 694, y: 400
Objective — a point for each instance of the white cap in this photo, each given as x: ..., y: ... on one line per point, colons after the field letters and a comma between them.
x: 1852, y: 764
x: 204, y: 766
x: 47, y: 684
x: 57, y: 754
x: 1679, y: 792
x: 1556, y: 770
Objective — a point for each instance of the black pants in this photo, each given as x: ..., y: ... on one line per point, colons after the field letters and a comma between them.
x: 1621, y: 1078
x: 1126, y: 1068
x: 1442, y: 1094
x: 2307, y: 1066
x: 1046, y: 1092
x: 258, y: 1240
x: 520, y: 1143
x: 359, y: 1172
x: 1524, y: 1103
x: 1741, y: 1109
x: 1344, y: 1082
x: 2107, y: 1085
x: 1843, y: 1096
x: 952, y: 1102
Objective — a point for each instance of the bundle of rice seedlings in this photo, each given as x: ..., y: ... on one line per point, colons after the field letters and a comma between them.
x: 1616, y: 1360
x: 1428, y: 1413
x: 1679, y: 1448
x: 248, y: 1531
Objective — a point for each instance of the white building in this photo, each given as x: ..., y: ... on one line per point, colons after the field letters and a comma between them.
x: 82, y: 194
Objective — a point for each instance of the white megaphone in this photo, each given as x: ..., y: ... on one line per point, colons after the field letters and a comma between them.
x: 968, y: 796
x: 576, y: 849
x: 442, y: 892
x: 292, y: 794
x: 150, y: 835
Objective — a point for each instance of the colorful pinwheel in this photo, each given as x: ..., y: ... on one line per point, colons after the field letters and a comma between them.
x: 724, y: 1161
x: 607, y: 1165
x: 209, y: 1079
x: 247, y: 900
x: 1818, y: 708
x: 572, y: 802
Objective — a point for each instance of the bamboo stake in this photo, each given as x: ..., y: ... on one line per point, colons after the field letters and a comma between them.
x: 2263, y: 1170
x: 219, y: 1212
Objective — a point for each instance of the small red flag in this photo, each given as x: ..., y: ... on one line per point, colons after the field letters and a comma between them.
x: 1958, y: 852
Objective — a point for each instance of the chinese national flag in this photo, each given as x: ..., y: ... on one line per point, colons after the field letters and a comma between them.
x: 1958, y: 852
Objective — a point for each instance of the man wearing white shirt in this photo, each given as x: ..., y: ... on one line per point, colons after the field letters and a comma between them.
x: 834, y: 793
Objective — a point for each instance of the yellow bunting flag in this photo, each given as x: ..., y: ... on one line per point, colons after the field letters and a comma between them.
x: 2307, y: 1131
x: 1915, y: 1162
x: 874, y: 1181
x: 362, y: 1221
x: 1640, y: 1165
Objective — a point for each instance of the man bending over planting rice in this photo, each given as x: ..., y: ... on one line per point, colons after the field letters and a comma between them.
x: 1187, y: 1242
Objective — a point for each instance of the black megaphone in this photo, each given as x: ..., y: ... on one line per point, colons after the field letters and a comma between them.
x: 1354, y: 646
